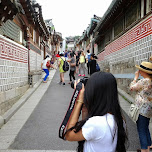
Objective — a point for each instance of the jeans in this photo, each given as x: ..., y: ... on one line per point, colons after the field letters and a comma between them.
x: 88, y: 65
x: 71, y: 74
x: 143, y: 131
x: 47, y: 74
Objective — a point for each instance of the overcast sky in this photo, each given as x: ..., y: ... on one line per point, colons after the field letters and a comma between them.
x: 71, y: 17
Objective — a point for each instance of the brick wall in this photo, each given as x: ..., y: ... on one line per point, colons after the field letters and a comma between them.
x: 13, y: 72
x: 131, y: 48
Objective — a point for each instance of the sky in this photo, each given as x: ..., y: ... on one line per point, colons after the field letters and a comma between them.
x: 72, y: 17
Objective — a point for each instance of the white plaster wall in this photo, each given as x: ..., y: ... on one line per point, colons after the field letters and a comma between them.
x: 35, y: 61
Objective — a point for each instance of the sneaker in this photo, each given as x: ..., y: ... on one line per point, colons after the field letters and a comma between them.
x: 63, y: 83
x: 79, y: 75
x: 60, y: 82
x: 83, y: 75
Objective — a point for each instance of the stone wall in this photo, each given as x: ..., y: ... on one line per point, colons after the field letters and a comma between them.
x: 121, y: 55
x: 13, y: 72
x: 35, y: 60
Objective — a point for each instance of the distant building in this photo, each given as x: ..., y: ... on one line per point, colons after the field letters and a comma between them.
x: 70, y: 43
x: 85, y: 42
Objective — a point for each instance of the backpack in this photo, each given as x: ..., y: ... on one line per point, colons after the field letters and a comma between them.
x: 65, y: 65
x: 97, y: 67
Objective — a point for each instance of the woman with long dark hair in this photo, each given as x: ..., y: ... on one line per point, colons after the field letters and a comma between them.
x: 103, y: 128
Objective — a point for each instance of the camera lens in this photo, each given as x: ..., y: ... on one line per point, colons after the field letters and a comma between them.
x: 83, y: 80
x: 72, y: 84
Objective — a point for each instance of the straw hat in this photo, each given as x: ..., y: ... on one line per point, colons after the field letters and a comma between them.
x: 145, y: 66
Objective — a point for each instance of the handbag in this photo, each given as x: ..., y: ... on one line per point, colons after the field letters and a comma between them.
x: 134, y: 111
x: 48, y: 64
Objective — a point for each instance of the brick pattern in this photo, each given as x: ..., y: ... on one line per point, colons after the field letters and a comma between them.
x: 12, y: 51
x: 136, y: 44
x: 132, y: 48
x: 137, y: 33
x: 136, y: 52
x: 13, y: 65
x: 13, y: 74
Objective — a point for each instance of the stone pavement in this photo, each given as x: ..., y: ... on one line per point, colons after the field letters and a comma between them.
x: 10, y: 130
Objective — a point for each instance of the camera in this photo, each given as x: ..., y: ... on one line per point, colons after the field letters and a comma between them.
x: 83, y: 80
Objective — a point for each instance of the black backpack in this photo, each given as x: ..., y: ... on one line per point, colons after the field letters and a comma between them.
x: 65, y: 65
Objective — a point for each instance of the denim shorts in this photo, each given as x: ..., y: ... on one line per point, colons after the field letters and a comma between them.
x: 143, y: 131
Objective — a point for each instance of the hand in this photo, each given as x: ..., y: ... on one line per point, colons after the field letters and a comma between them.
x: 136, y: 75
x: 81, y: 94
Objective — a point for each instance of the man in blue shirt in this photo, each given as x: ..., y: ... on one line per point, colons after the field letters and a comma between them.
x: 88, y: 59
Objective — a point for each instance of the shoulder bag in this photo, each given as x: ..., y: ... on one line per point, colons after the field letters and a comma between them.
x: 134, y: 112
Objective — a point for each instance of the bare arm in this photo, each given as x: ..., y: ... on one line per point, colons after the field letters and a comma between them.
x: 135, y: 86
x: 52, y: 66
x: 59, y: 62
x: 71, y: 135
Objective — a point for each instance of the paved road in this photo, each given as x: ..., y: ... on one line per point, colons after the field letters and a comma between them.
x: 40, y: 132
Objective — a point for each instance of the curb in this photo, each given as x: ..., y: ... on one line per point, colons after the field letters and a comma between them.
x: 5, y: 118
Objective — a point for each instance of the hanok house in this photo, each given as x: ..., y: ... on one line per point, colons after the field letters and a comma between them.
x: 86, y: 42
x: 70, y: 43
x: 124, y: 38
x: 23, y: 39
x: 55, y: 40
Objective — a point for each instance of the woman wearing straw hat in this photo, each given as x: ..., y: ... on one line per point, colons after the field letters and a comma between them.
x: 143, y: 97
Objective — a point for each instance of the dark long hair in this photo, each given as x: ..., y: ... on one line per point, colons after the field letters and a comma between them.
x: 46, y: 57
x: 100, y: 98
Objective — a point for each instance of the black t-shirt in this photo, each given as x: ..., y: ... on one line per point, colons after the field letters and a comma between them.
x: 77, y: 60
x: 92, y: 66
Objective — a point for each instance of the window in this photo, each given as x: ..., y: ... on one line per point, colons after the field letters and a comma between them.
x: 11, y: 30
x: 119, y: 27
x: 101, y: 46
x: 132, y: 14
x: 108, y: 36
